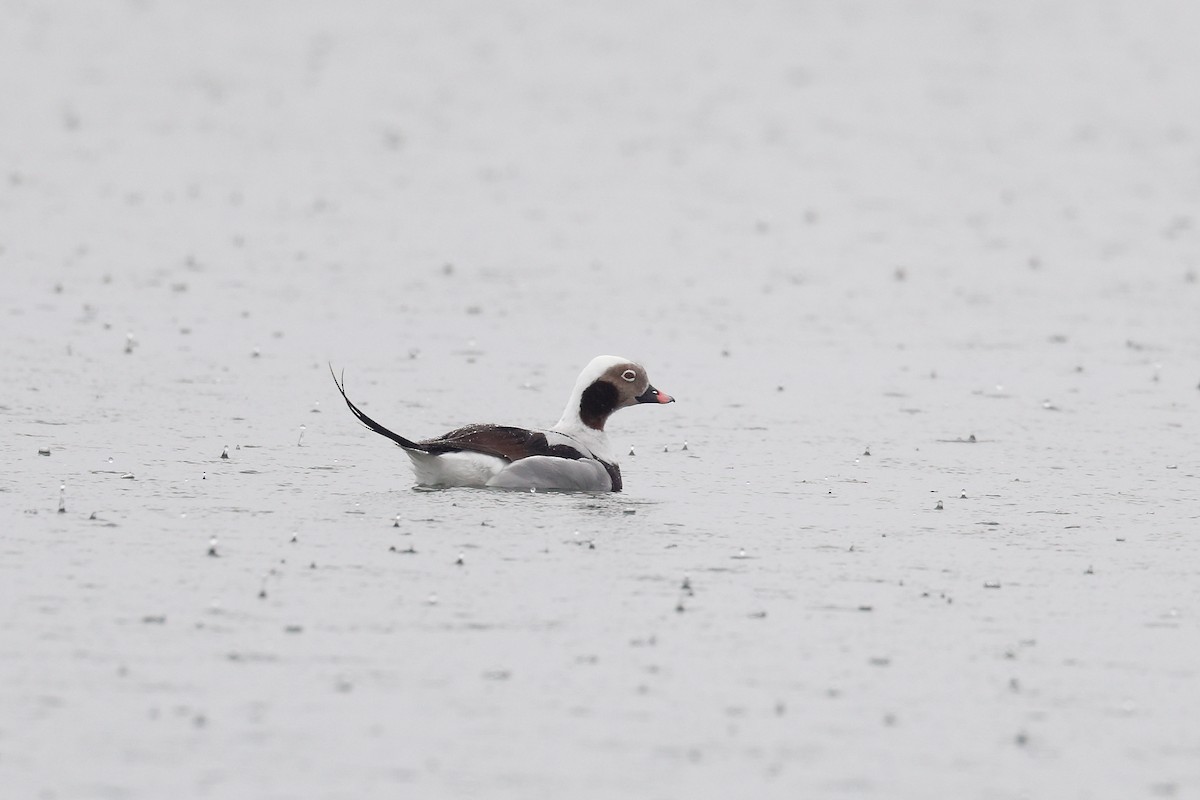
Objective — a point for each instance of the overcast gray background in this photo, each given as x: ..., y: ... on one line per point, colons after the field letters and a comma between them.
x: 829, y: 228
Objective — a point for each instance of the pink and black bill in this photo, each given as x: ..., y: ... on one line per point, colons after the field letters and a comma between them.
x: 652, y: 395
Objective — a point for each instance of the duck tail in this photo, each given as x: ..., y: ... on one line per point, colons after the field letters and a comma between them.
x: 407, y: 444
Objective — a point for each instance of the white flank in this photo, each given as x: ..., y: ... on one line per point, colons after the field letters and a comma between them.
x: 455, y: 469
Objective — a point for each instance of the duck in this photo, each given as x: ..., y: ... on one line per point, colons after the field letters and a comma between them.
x: 572, y: 455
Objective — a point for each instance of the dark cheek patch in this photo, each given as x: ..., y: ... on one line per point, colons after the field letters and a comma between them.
x: 598, y: 402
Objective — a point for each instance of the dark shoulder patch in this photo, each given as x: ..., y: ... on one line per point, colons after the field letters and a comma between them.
x: 614, y: 473
x: 502, y: 441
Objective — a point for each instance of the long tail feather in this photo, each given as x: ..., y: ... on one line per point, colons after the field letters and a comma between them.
x: 370, y: 423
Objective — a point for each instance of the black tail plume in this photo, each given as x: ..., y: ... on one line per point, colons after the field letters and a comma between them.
x: 370, y: 423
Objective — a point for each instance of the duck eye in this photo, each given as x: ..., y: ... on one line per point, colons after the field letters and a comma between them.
x: 629, y: 375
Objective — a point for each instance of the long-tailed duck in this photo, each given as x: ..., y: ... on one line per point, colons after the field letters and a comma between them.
x: 572, y: 455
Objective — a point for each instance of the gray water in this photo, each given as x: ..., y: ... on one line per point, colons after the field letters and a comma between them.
x: 828, y: 229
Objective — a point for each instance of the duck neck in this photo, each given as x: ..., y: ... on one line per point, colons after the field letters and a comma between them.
x: 585, y: 428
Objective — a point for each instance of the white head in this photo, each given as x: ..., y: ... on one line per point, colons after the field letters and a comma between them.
x: 606, y: 384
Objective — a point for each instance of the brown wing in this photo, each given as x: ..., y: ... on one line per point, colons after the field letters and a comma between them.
x: 511, y: 444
